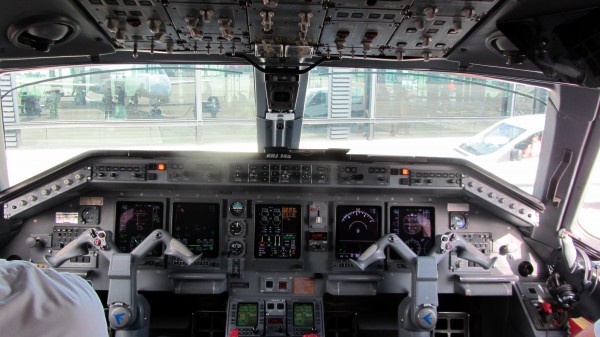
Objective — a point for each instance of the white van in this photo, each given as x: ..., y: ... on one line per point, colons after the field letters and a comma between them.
x: 317, y: 103
x: 513, y: 138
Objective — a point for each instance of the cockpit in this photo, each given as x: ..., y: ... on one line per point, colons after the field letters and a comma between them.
x: 307, y: 168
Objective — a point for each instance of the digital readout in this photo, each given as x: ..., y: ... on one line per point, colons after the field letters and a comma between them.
x: 277, y: 231
x: 247, y: 315
x: 196, y: 225
x: 415, y: 226
x: 135, y: 221
x: 356, y: 228
x: 303, y: 315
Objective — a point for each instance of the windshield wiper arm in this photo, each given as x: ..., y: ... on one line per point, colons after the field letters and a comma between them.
x: 469, y: 148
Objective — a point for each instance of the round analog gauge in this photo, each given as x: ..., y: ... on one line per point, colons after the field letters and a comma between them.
x: 236, y: 228
x: 411, y: 224
x: 237, y: 209
x: 90, y: 216
x: 358, y: 222
x: 414, y: 245
x: 458, y: 220
x: 236, y: 248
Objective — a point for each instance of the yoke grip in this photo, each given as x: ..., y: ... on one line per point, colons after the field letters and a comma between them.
x: 173, y: 247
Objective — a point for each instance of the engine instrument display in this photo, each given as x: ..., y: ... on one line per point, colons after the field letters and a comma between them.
x: 196, y: 225
x: 415, y: 226
x: 135, y: 221
x: 304, y: 315
x: 277, y: 231
x: 357, y: 227
x: 247, y: 315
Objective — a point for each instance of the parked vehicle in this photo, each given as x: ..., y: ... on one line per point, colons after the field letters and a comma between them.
x: 512, y: 139
x: 317, y: 103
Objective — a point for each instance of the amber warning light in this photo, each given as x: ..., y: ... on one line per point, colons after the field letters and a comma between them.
x: 161, y: 167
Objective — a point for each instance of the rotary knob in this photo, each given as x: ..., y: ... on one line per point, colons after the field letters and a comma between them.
x: 33, y: 242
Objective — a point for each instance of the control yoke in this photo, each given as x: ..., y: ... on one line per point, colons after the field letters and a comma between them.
x: 128, y: 311
x: 417, y: 313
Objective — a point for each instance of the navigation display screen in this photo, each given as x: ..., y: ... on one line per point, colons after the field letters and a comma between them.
x: 356, y: 228
x: 415, y: 226
x: 135, y: 221
x: 247, y: 315
x: 277, y: 231
x: 304, y: 315
x: 196, y: 225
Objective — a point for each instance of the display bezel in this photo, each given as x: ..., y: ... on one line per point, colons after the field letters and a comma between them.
x: 156, y: 252
x: 405, y: 236
x: 298, y: 231
x: 336, y: 230
x: 218, y: 226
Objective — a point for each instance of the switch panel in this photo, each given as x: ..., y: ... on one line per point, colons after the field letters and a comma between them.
x: 482, y: 241
x: 46, y: 192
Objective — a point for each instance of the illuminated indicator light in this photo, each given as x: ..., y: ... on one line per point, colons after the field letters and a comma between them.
x: 405, y: 172
x: 162, y: 167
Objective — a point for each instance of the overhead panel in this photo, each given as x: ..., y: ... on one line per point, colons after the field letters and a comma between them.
x: 292, y: 29
x: 431, y: 29
x: 210, y: 27
x: 284, y: 24
x: 129, y: 22
x: 358, y: 32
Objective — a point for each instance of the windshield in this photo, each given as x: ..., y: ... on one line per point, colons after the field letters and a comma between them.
x: 53, y: 114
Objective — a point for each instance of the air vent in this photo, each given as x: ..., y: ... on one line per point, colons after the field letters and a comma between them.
x: 42, y: 32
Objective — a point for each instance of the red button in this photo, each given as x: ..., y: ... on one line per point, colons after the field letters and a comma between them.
x: 547, y: 308
x: 234, y: 333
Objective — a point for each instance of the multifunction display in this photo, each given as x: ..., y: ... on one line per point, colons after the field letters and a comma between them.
x: 356, y: 228
x: 304, y: 315
x: 196, y: 225
x: 277, y: 231
x: 135, y: 221
x: 415, y: 226
x: 247, y: 315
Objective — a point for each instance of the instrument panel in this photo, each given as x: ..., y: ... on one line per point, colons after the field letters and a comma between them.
x: 277, y: 245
